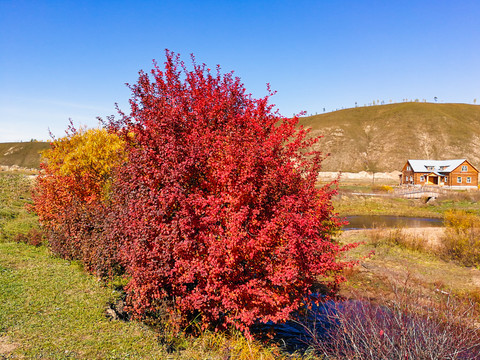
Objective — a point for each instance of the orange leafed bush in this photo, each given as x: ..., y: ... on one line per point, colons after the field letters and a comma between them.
x: 73, y: 189
x: 462, y: 237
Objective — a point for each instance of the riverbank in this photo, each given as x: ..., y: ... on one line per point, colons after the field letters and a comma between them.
x: 392, y: 257
x: 350, y: 201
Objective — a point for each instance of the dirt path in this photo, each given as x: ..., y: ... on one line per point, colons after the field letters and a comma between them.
x: 6, y: 346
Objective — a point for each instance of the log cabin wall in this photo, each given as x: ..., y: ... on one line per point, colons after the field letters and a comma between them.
x: 464, y: 175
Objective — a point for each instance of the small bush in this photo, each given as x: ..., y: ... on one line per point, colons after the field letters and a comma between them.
x: 382, y: 188
x: 376, y: 236
x: 399, y: 237
x: 387, y: 188
x: 34, y: 237
x: 72, y: 195
x: 461, y: 241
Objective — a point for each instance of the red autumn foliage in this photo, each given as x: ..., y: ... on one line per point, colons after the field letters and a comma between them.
x: 216, y: 208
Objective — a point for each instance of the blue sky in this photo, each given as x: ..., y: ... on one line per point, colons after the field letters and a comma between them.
x: 71, y: 59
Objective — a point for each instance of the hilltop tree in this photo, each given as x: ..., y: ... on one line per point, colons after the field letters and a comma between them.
x: 216, y: 207
x: 371, y: 166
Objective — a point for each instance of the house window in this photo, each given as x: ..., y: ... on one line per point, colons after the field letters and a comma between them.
x: 469, y: 179
x: 422, y: 178
x: 409, y: 168
x: 464, y: 168
x: 446, y: 178
x: 459, y: 180
x: 411, y: 179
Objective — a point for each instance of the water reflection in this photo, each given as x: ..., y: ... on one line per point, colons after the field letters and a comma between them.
x: 298, y: 334
x: 310, y: 325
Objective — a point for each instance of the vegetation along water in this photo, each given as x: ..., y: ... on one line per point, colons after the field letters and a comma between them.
x: 195, y: 227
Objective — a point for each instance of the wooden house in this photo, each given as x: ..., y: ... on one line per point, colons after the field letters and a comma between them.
x: 457, y: 173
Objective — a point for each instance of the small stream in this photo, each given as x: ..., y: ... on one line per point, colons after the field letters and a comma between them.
x: 297, y: 335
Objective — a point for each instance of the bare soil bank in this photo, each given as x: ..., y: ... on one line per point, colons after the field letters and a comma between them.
x: 362, y: 175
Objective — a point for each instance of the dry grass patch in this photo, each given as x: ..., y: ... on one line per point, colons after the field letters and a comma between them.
x: 383, y: 261
x: 407, y: 325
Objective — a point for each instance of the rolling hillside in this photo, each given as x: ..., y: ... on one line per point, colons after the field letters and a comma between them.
x: 379, y: 138
x: 23, y: 154
x: 383, y: 137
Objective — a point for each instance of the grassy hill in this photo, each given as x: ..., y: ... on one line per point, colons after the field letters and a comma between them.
x: 379, y: 137
x: 383, y: 137
x: 23, y: 154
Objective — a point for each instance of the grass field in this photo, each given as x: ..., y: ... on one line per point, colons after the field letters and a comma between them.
x: 52, y: 309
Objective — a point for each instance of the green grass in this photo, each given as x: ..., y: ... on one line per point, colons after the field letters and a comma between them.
x: 53, y: 310
x: 14, y: 198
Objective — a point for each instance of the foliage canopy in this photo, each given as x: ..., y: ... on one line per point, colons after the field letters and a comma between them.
x: 215, y: 210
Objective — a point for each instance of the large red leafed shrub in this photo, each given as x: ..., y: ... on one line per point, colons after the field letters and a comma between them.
x: 216, y: 207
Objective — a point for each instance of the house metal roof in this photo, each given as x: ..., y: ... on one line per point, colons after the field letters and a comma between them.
x: 437, y: 166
